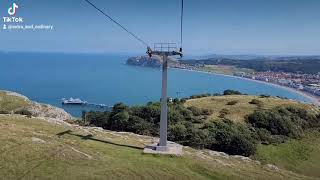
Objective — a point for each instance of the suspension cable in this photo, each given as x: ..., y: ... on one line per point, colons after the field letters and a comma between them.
x: 110, y: 18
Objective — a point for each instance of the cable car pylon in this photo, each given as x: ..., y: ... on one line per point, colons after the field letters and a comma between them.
x: 164, y: 51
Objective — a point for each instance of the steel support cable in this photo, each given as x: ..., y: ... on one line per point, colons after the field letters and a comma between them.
x: 110, y: 18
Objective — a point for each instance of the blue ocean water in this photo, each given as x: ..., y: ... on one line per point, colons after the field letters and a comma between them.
x: 105, y: 79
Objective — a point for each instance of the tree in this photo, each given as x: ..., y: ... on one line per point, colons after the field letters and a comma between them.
x: 231, y: 92
x: 177, y: 133
x: 120, y: 121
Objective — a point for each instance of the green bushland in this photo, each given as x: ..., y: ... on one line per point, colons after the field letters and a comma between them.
x: 281, y: 123
x: 189, y: 125
x: 186, y: 126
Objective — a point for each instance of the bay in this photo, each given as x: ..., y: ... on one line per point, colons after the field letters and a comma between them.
x: 106, y: 79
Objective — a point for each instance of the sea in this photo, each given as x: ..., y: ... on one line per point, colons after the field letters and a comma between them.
x: 106, y: 79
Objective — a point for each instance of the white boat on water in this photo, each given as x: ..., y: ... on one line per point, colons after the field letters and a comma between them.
x: 75, y: 101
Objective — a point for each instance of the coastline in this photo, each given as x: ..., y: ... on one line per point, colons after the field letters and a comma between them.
x: 313, y: 99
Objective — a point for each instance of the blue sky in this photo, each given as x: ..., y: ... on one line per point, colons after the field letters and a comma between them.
x: 285, y: 27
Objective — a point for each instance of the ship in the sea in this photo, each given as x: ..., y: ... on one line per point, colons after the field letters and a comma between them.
x: 73, y: 101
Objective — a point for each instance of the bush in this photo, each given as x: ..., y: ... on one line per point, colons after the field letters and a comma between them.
x: 183, y: 100
x: 206, y: 112
x: 230, y: 103
x: 197, y: 138
x: 282, y: 122
x: 99, y: 119
x: 177, y: 133
x: 256, y: 102
x: 263, y: 135
x: 195, y: 110
x: 143, y: 127
x: 4, y: 112
x: 223, y: 113
x: 24, y: 112
x: 231, y: 92
x: 264, y: 96
x: 199, y: 96
x: 232, y: 138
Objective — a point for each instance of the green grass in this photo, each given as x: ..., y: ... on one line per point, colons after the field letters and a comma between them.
x: 300, y: 156
x: 224, y: 69
x: 11, y: 103
x: 242, y: 108
x: 106, y: 155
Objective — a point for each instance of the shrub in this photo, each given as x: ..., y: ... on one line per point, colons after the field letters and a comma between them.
x: 263, y: 135
x: 206, y: 112
x: 232, y: 138
x: 4, y: 112
x: 183, y: 100
x: 264, y: 96
x: 223, y: 113
x: 231, y: 92
x: 143, y: 127
x: 195, y: 110
x: 197, y: 138
x: 99, y: 119
x: 256, y: 102
x: 24, y: 112
x: 230, y: 103
x: 283, y: 121
x: 200, y: 96
x: 177, y: 133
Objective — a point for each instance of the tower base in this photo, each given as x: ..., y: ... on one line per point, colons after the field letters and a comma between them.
x: 171, y: 149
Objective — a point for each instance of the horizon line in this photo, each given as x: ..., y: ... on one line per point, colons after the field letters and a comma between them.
x: 138, y: 53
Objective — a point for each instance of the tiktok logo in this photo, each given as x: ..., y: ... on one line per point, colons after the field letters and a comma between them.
x: 13, y: 9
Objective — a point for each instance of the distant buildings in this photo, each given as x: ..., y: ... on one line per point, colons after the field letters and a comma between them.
x: 305, y: 82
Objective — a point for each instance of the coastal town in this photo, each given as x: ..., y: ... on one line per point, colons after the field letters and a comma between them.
x: 309, y: 83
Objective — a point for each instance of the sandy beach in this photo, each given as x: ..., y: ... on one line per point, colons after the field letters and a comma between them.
x: 313, y: 98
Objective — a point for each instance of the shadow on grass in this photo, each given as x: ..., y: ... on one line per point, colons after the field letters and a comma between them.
x: 91, y: 137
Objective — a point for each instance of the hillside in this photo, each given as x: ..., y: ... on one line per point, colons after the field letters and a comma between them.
x: 297, y: 155
x: 35, y: 149
x: 308, y: 65
x: 242, y: 106
x: 48, y: 148
x: 14, y: 103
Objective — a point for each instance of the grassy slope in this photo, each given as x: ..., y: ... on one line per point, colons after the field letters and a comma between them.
x: 106, y: 155
x: 301, y: 156
x: 110, y: 155
x: 242, y: 108
x: 11, y: 103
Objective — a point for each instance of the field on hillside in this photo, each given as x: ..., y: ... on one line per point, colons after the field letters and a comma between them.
x: 301, y: 156
x: 34, y: 149
x: 223, y: 69
x: 11, y: 103
x: 242, y: 106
